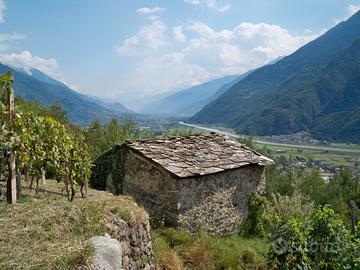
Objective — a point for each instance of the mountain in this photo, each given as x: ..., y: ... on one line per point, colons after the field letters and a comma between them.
x: 44, y: 89
x: 339, y: 119
x: 292, y: 95
x: 188, y: 101
x: 38, y: 75
x: 113, y: 106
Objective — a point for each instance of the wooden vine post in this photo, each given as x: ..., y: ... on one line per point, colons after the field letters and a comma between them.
x: 11, y: 183
x: 84, y: 188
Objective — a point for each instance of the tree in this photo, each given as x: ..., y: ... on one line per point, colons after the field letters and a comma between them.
x: 58, y: 112
x: 101, y: 138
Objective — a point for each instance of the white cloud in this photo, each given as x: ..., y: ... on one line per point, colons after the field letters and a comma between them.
x: 352, y: 9
x: 148, y: 11
x: 224, y: 8
x: 154, y: 76
x: 210, y: 4
x: 5, y: 38
x: 2, y: 11
x: 246, y: 46
x: 26, y: 61
x: 178, y: 34
x: 153, y: 18
x: 194, y: 2
x: 148, y: 37
x: 202, y: 54
x: 11, y: 37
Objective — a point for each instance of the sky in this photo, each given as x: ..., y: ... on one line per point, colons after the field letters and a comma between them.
x: 131, y: 51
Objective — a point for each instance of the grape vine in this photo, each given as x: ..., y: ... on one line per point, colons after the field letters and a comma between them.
x: 42, y: 143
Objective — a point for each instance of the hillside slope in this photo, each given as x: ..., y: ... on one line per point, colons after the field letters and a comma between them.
x: 340, y: 119
x: 58, y: 229
x: 290, y: 95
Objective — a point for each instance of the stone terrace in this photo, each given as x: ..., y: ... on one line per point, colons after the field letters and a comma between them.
x: 197, y: 154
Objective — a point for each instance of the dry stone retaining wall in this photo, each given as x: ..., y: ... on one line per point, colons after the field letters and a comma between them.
x: 135, y: 240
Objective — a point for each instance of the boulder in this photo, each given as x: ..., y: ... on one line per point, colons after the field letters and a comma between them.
x: 107, y: 253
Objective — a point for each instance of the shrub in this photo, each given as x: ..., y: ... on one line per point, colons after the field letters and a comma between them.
x: 296, y: 206
x: 277, y: 182
x: 289, y: 245
x: 329, y: 239
x: 322, y: 242
x: 254, y: 224
x: 264, y: 214
x: 352, y: 259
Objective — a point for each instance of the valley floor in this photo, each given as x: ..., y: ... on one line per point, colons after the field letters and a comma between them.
x: 333, y: 154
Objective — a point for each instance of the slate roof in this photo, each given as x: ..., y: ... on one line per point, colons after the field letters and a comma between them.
x: 195, y: 155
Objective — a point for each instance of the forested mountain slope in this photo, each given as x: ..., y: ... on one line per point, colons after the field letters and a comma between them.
x: 292, y: 94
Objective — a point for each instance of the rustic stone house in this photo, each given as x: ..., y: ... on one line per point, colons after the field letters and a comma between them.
x: 198, y: 180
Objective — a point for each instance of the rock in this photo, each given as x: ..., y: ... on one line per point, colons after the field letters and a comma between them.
x: 134, y: 237
x: 107, y: 253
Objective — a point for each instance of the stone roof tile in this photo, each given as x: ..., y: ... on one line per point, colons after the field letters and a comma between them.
x: 197, y: 154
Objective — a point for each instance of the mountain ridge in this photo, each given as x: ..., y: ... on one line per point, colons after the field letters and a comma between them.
x: 282, y: 98
x: 46, y: 90
x: 178, y: 103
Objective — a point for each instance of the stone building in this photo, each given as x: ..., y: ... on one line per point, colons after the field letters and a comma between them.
x: 198, y: 180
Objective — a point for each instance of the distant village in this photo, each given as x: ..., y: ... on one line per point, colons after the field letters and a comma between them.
x: 326, y: 170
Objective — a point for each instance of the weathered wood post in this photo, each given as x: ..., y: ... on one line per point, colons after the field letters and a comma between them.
x: 18, y: 182
x: 11, y: 183
x: 43, y: 178
x: 84, y: 188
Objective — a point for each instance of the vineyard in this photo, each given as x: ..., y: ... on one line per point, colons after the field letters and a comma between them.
x: 33, y: 145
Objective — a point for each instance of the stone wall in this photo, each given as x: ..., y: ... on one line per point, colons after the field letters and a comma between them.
x: 218, y: 202
x: 151, y: 187
x: 135, y: 241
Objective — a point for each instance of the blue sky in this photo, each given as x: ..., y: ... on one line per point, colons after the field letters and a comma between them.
x: 129, y: 51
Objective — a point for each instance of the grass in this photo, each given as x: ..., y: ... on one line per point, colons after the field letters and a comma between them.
x: 345, y: 145
x: 176, y: 249
x: 122, y: 205
x: 45, y: 231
